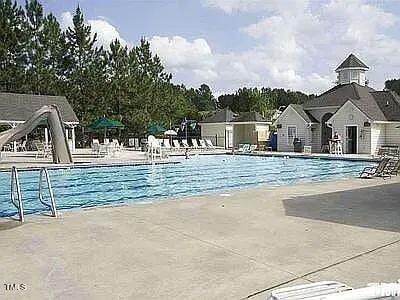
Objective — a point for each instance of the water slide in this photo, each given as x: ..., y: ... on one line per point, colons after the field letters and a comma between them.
x: 60, y: 149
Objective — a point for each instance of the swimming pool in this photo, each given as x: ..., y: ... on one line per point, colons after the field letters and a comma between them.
x: 99, y: 186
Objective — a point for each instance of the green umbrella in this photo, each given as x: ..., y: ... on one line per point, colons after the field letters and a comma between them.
x: 104, y: 123
x: 155, y: 129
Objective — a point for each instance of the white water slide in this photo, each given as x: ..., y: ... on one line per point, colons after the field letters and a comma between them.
x: 60, y: 149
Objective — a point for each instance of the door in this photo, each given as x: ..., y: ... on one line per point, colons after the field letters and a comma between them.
x: 351, y: 139
x: 326, y: 131
x: 228, y: 139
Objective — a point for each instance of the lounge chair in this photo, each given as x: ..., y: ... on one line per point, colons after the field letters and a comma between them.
x: 380, y: 170
x: 22, y: 146
x: 167, y: 145
x: 185, y: 144
x: 42, y: 150
x: 316, y: 290
x: 195, y: 144
x: 203, y: 145
x: 244, y: 148
x: 209, y: 144
x: 393, y: 167
x: 177, y: 146
x: 252, y: 148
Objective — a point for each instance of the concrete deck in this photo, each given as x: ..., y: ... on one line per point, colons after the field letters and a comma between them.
x: 228, y: 246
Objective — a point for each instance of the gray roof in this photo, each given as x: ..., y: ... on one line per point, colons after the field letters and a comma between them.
x: 338, y: 95
x: 222, y: 116
x: 389, y: 104
x: 249, y: 117
x: 19, y: 107
x: 304, y: 114
x: 377, y: 105
x: 352, y: 62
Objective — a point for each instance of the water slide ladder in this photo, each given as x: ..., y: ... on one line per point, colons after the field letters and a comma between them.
x: 16, y: 197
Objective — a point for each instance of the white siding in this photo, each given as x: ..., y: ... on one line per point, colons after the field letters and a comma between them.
x: 291, y: 118
x: 349, y: 114
x: 378, y: 137
x: 392, y: 134
x: 215, y: 132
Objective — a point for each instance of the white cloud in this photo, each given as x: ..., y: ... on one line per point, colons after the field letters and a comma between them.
x: 177, y: 53
x: 66, y: 20
x: 106, y: 33
x: 232, y: 6
x: 298, y: 45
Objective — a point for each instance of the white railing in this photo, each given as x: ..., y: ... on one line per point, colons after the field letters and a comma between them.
x: 16, y: 198
x: 52, y: 206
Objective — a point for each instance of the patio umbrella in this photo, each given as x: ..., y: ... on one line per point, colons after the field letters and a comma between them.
x: 104, y: 123
x: 170, y: 132
x: 155, y: 129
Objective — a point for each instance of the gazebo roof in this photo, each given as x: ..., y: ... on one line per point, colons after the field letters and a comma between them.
x: 19, y: 107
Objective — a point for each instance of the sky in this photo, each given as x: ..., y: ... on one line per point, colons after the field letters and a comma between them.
x: 228, y: 44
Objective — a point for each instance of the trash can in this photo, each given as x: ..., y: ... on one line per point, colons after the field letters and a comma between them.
x: 297, y: 145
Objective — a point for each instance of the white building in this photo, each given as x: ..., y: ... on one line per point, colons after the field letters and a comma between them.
x: 364, y: 118
x: 227, y: 129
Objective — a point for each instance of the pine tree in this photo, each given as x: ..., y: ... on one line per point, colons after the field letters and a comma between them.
x: 12, y: 47
x: 82, y: 63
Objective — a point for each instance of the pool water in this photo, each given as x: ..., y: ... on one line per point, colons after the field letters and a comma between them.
x: 98, y: 186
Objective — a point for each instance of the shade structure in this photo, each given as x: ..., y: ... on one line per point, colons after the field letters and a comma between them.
x: 155, y: 129
x: 170, y: 132
x: 104, y: 124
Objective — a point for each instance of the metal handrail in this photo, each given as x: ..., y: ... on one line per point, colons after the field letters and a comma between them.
x: 52, y: 204
x: 16, y: 188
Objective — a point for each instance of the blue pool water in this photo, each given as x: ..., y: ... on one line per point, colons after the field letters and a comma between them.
x: 87, y: 187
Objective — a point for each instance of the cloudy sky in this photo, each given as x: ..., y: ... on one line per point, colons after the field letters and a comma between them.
x: 293, y: 44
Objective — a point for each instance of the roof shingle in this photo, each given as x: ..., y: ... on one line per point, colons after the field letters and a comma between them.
x: 19, y: 107
x: 352, y: 61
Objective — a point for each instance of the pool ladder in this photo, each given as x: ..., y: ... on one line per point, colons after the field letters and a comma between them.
x: 16, y: 197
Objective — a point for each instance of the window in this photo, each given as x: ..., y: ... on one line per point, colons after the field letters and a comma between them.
x: 354, y: 75
x: 291, y: 133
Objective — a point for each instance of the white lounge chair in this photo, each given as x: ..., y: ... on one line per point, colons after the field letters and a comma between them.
x: 203, y: 144
x: 244, y: 148
x: 22, y: 146
x: 333, y: 290
x: 167, y: 145
x: 209, y: 144
x: 42, y: 149
x: 195, y: 144
x: 185, y: 144
x: 177, y: 146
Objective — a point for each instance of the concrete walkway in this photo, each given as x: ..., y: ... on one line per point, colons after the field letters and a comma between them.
x: 228, y: 246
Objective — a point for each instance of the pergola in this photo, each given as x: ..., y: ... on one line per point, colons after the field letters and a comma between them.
x: 17, y: 108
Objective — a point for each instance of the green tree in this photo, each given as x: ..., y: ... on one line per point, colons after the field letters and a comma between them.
x: 12, y: 47
x: 202, y: 98
x: 83, y: 69
x: 393, y: 85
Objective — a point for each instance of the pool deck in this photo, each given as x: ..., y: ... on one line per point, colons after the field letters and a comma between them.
x: 223, y: 246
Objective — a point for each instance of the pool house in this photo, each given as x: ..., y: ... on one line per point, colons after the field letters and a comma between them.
x: 227, y: 129
x: 365, y: 119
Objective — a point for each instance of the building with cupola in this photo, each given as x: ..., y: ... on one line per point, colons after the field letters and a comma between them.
x: 363, y: 118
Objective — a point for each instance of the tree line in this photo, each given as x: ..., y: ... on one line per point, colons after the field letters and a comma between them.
x: 129, y: 84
